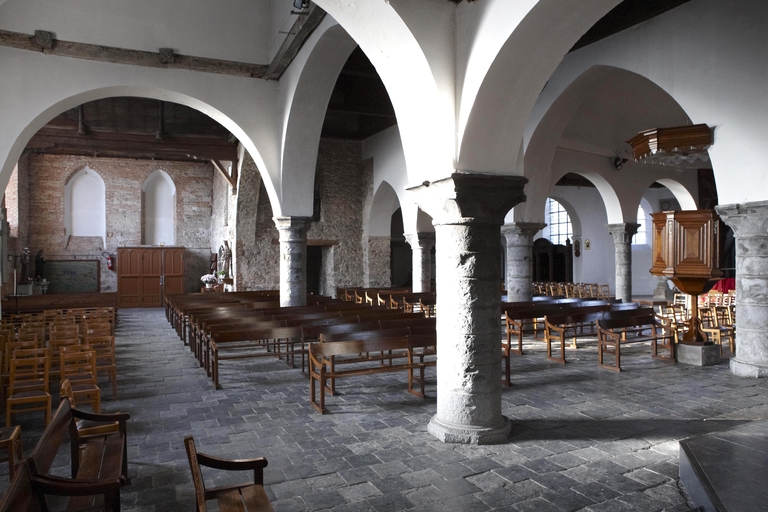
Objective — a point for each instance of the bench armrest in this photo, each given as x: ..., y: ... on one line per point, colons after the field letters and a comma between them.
x: 231, y: 464
x: 119, y: 417
x: 59, y: 486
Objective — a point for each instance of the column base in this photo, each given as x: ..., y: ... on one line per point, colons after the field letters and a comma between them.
x: 463, y: 434
x: 745, y: 369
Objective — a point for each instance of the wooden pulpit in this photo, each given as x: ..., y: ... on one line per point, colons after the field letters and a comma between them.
x: 686, y: 250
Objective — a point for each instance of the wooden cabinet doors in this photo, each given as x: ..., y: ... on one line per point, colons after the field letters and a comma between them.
x: 146, y: 274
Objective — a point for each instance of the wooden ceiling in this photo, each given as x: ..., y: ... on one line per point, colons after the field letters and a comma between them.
x: 358, y: 108
x: 135, y: 128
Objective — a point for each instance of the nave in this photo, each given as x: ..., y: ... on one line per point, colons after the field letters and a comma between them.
x: 583, y: 438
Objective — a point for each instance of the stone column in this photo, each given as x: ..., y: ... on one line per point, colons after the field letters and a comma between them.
x: 622, y: 241
x: 421, y: 244
x: 519, y: 237
x: 468, y: 211
x: 293, y: 259
x: 749, y: 222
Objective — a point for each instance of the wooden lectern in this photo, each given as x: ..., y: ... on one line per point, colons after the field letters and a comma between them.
x: 686, y: 250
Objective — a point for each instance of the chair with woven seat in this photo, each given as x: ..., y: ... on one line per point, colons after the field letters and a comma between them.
x: 28, y: 383
x: 78, y: 364
x: 247, y: 496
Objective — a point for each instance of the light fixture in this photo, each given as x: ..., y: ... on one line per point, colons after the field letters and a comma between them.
x: 672, y: 146
x: 619, y: 162
x: 301, y: 4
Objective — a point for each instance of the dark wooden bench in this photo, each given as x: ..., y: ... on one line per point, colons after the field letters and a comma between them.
x: 248, y: 497
x: 99, y: 464
x: 624, y: 327
x: 325, y: 359
x: 581, y: 322
x: 39, y: 303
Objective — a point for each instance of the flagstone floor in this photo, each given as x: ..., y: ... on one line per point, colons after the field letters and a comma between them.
x: 583, y: 438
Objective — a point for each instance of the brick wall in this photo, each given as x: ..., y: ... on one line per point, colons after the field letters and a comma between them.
x: 47, y: 176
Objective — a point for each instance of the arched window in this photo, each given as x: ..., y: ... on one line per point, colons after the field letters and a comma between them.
x: 159, y: 209
x: 559, y: 223
x: 85, y: 205
x: 640, y: 237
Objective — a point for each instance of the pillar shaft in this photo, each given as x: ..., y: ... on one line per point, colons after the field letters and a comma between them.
x: 519, y: 237
x: 622, y: 240
x: 293, y: 259
x: 749, y: 222
x: 421, y: 244
x: 468, y: 210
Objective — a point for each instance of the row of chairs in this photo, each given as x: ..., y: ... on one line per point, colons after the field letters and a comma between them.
x: 29, y: 379
x: 716, y: 323
x: 582, y: 290
x: 716, y: 298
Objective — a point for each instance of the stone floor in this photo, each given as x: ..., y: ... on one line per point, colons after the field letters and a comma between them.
x: 583, y: 438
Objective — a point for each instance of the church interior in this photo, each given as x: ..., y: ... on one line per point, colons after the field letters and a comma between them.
x: 444, y: 146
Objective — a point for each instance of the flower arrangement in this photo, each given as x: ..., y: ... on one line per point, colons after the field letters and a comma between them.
x: 209, y: 279
x: 221, y: 273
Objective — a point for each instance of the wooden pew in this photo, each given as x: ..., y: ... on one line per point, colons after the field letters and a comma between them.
x: 99, y: 464
x: 39, y: 303
x: 279, y: 340
x: 575, y: 323
x: 625, y: 327
x: 325, y: 359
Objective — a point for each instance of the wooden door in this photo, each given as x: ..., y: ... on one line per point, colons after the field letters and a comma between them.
x: 129, y: 277
x: 173, y: 271
x: 151, y: 275
x: 146, y: 274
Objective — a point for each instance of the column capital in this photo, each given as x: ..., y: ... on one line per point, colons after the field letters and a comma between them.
x: 468, y: 197
x: 622, y: 232
x: 422, y: 240
x: 292, y: 228
x: 517, y: 229
x: 747, y: 219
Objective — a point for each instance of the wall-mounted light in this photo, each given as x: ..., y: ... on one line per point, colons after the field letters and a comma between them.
x: 619, y: 162
x: 301, y: 4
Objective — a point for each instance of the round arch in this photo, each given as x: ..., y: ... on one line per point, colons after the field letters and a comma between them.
x: 573, y: 215
x: 425, y: 114
x: 307, y: 103
x: 681, y: 193
x: 32, y: 107
x: 385, y: 203
x: 555, y: 128
x: 552, y: 31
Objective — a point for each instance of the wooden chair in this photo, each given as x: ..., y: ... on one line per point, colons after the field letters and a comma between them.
x: 28, y: 383
x: 104, y: 346
x: 249, y: 497
x: 97, y: 328
x: 8, y: 350
x: 713, y: 327
x: 78, y: 364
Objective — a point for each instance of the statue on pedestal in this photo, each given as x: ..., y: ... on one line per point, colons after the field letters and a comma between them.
x: 225, y: 259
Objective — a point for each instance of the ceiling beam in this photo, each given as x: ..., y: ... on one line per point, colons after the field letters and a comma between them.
x: 162, y: 59
x: 125, y: 145
x: 45, y: 42
x: 304, y: 25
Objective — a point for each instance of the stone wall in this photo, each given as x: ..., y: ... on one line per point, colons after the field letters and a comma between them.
x: 247, y: 253
x: 376, y: 249
x: 123, y: 178
x: 339, y: 180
